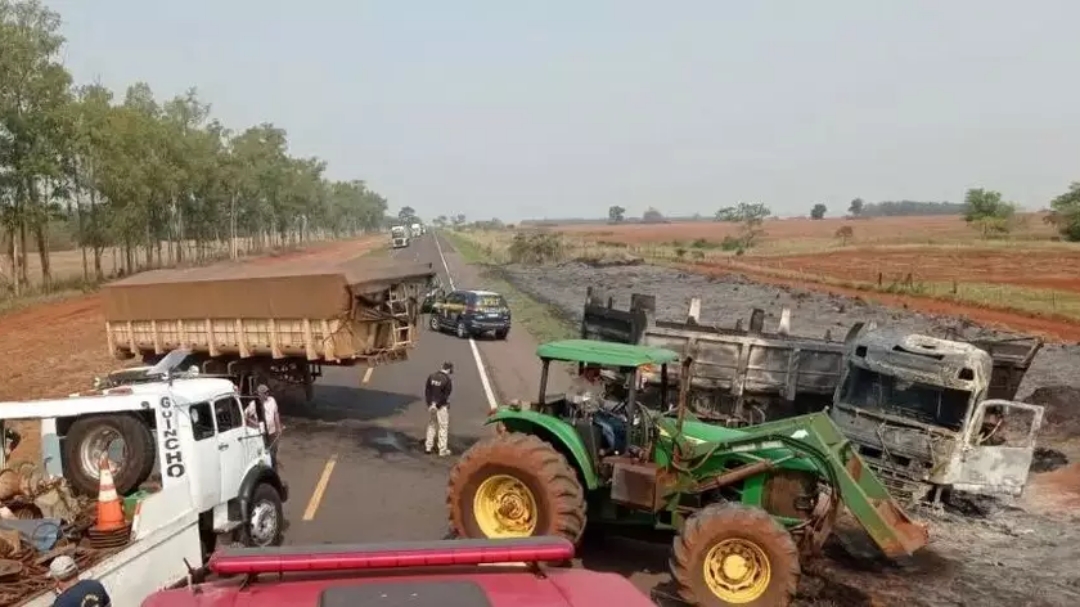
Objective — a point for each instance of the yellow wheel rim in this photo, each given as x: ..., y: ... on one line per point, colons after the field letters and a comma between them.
x: 504, y: 507
x: 737, y: 571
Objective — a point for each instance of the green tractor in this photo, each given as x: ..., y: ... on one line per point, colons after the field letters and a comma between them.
x: 745, y: 504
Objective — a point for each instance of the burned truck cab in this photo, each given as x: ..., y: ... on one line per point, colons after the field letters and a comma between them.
x: 917, y: 409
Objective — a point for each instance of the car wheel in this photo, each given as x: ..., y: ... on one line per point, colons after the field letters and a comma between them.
x: 461, y: 332
x: 501, y: 333
x: 433, y: 323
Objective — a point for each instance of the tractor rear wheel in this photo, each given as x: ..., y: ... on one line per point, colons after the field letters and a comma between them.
x: 731, y: 554
x: 515, y: 485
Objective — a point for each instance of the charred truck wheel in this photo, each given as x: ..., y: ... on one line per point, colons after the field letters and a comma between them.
x: 127, y: 441
x: 731, y: 554
x: 515, y: 485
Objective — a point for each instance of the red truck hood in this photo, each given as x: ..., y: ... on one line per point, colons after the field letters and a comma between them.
x: 492, y: 587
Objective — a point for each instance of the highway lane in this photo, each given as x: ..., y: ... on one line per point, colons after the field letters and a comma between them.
x: 380, y: 485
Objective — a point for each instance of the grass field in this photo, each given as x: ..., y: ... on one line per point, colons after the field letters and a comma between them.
x: 939, y: 257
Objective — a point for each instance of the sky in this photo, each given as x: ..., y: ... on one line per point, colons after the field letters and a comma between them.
x: 558, y: 108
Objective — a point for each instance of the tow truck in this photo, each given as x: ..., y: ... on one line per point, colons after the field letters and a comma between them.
x: 496, y: 573
x: 217, y: 479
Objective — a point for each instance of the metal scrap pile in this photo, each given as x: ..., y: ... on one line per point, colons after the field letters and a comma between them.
x: 40, y: 520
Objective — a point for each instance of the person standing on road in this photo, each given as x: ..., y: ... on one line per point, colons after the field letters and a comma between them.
x: 273, y: 419
x: 73, y: 592
x: 437, y: 395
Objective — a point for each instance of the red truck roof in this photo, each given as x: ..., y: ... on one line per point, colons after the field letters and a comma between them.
x: 413, y: 574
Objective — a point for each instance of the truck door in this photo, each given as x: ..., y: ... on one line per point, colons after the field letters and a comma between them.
x: 999, y: 446
x: 231, y: 444
x: 205, y: 469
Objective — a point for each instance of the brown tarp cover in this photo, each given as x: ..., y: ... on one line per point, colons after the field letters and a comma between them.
x: 281, y: 289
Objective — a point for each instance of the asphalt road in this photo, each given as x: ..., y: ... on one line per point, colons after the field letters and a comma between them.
x: 356, y: 469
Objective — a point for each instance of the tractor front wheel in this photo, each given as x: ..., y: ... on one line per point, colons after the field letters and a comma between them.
x: 515, y: 485
x: 731, y: 554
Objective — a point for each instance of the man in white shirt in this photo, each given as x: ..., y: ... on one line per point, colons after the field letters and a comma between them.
x: 273, y: 419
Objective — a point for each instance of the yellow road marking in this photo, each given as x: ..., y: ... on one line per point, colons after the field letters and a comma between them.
x: 320, y: 489
x: 367, y: 375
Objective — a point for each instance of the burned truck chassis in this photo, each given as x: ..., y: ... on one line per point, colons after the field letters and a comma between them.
x: 790, y: 375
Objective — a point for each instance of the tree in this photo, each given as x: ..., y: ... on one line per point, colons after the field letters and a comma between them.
x: 651, y: 215
x: 985, y: 210
x: 157, y: 181
x: 855, y: 209
x: 818, y: 212
x: 406, y: 214
x: 458, y: 220
x: 728, y: 214
x: 616, y: 213
x: 845, y: 234
x: 1065, y: 213
x: 441, y: 221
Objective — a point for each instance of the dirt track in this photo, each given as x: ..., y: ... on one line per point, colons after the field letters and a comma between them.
x: 1022, y: 553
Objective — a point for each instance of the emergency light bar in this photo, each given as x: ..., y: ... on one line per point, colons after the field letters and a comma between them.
x: 329, y: 557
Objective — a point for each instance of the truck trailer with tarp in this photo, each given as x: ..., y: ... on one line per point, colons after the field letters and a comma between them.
x: 270, y: 322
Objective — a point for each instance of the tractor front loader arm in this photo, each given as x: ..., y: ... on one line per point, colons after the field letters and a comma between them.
x: 816, y: 438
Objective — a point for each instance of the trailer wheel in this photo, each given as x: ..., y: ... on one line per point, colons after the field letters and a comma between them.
x: 515, y: 485
x: 732, y: 554
x: 127, y: 441
x: 264, y: 523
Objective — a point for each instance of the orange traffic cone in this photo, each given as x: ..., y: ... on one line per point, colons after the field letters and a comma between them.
x: 110, y: 511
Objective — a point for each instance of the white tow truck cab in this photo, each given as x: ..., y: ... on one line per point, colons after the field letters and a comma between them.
x: 217, y: 479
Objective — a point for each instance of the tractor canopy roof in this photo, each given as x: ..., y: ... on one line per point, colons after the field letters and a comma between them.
x: 605, y: 353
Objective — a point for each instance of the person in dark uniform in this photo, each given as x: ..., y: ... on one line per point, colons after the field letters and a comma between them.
x: 437, y: 395
x: 73, y: 592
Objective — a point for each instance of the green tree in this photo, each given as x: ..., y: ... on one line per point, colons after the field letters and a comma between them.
x: 818, y: 212
x: 855, y: 209
x: 1065, y: 213
x: 987, y: 211
x: 159, y: 182
x: 616, y: 213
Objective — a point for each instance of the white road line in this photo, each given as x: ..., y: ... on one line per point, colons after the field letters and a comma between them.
x: 492, y: 404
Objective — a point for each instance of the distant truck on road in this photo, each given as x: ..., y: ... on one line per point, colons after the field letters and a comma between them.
x: 277, y: 323
x: 399, y: 237
x: 417, y: 229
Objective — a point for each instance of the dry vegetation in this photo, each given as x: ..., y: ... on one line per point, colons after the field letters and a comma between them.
x: 919, y: 261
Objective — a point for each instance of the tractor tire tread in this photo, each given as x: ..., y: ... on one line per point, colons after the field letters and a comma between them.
x: 540, y: 461
x: 702, y: 530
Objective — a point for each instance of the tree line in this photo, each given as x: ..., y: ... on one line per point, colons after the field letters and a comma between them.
x: 160, y: 181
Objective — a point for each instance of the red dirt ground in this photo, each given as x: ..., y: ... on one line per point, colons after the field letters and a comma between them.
x: 1029, y: 268
x: 1052, y: 329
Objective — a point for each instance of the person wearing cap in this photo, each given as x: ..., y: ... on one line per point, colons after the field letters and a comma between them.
x: 272, y: 417
x: 437, y: 395
x: 73, y: 592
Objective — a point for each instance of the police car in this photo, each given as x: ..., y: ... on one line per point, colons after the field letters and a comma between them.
x: 468, y: 313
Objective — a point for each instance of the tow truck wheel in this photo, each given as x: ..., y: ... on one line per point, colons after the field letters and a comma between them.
x: 265, y: 524
x: 124, y: 439
x: 515, y: 485
x: 731, y: 554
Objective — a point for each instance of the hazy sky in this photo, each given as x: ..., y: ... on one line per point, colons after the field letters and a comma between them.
x: 562, y: 108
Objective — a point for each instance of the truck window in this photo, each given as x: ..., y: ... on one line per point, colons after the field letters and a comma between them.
x: 926, y: 403
x: 227, y: 414
x: 202, y: 424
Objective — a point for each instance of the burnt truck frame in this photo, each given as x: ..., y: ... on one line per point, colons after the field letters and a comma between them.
x: 747, y: 376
